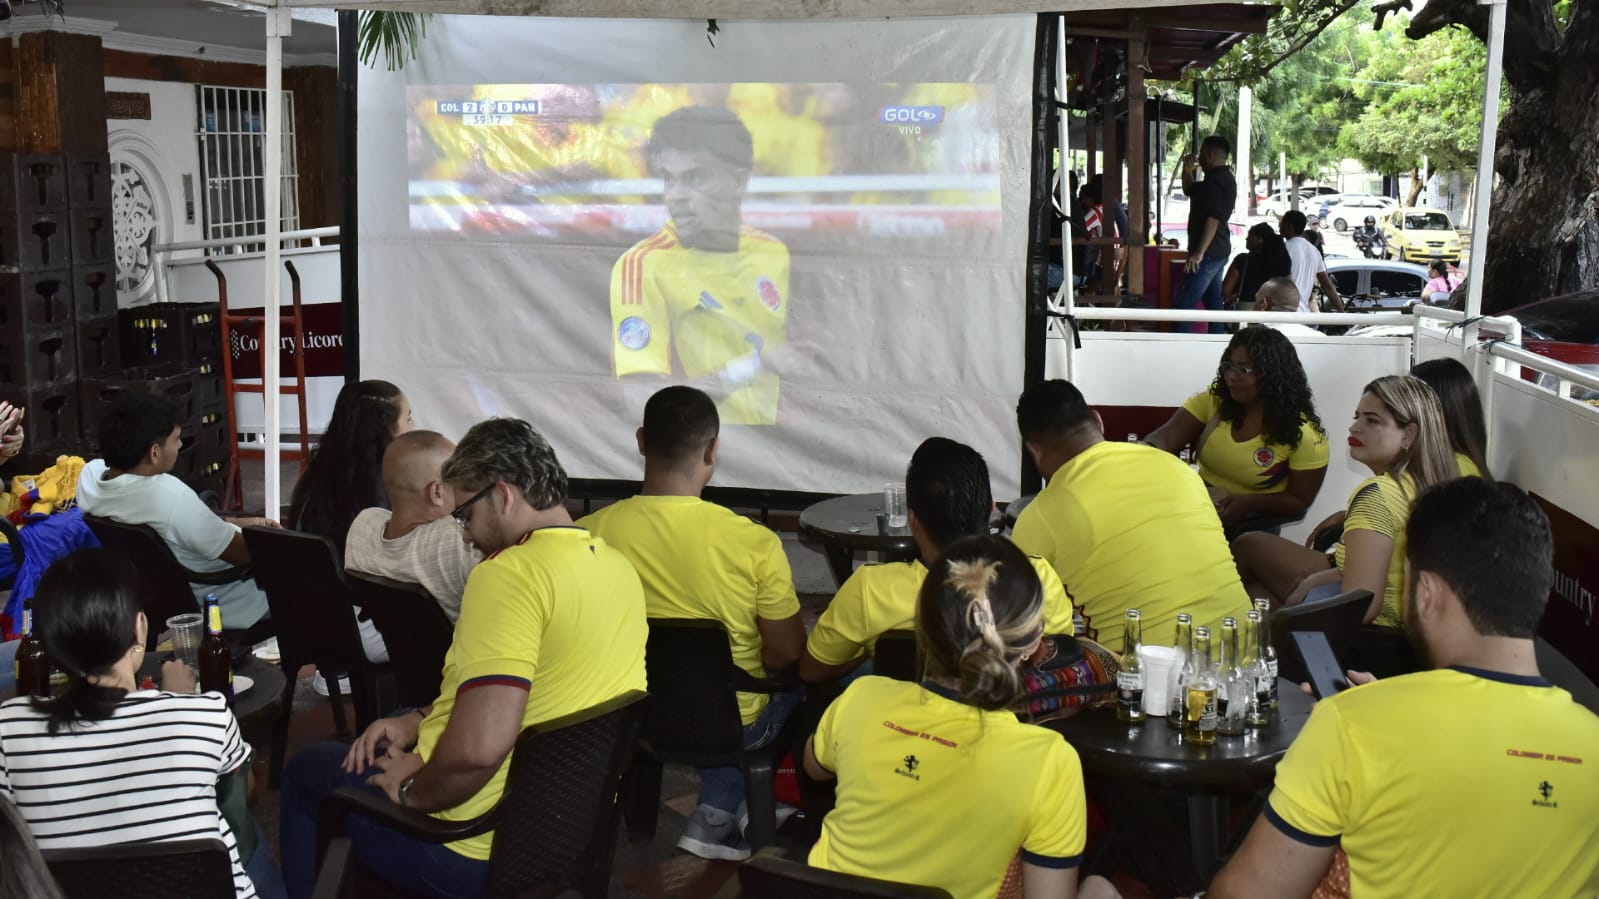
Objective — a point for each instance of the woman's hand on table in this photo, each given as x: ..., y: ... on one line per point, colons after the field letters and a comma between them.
x: 176, y: 677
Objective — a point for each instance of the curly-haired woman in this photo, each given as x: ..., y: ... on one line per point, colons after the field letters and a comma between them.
x: 1262, y: 449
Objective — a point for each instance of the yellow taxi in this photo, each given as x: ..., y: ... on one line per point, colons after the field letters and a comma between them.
x: 1421, y: 234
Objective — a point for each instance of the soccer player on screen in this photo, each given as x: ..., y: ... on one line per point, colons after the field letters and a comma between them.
x: 705, y: 286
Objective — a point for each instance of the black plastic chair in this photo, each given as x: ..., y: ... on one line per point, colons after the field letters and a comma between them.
x: 694, y: 720
x: 1338, y: 617
x: 769, y: 874
x: 1559, y: 670
x: 895, y: 656
x: 168, y: 589
x: 181, y: 869
x: 313, y: 607
x: 554, y: 828
x: 414, y: 628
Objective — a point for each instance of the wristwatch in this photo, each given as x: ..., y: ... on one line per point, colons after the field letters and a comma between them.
x: 405, y: 789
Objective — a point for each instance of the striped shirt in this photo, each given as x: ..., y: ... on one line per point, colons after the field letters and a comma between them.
x: 146, y: 774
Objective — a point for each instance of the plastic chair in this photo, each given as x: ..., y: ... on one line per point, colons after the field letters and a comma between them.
x: 554, y: 827
x: 694, y: 720
x: 181, y: 869
x: 1338, y: 617
x: 769, y: 874
x: 1559, y: 670
x: 414, y: 628
x: 167, y: 582
x: 314, y: 609
x: 895, y: 655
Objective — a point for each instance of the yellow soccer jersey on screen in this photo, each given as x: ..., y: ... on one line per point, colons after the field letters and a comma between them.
x: 916, y: 767
x: 1448, y: 783
x: 1382, y: 505
x: 1128, y: 526
x: 1253, y: 466
x: 561, y: 615
x: 718, y: 311
x: 699, y: 560
x: 881, y: 598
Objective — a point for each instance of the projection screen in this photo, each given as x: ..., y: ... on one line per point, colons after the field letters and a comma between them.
x: 821, y: 224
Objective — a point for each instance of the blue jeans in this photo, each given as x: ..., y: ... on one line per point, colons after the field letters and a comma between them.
x: 8, y: 664
x: 1322, y: 592
x: 429, y: 868
x: 723, y: 788
x: 262, y: 867
x: 1202, y: 289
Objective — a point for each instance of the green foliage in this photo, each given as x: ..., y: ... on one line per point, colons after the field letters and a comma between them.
x: 1420, y: 98
x: 395, y: 36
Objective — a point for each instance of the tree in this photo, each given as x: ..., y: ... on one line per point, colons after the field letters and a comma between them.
x: 1543, y: 235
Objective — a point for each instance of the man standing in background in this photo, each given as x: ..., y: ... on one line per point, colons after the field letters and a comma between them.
x: 1210, y: 204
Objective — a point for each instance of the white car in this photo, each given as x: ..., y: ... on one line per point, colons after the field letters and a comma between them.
x: 1351, y: 210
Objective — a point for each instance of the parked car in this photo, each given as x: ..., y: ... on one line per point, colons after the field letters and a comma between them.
x: 1351, y: 210
x: 1280, y: 202
x: 1377, y: 285
x: 1421, y: 234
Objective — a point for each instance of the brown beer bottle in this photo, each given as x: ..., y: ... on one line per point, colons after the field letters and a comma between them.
x: 216, y: 662
x: 33, y: 664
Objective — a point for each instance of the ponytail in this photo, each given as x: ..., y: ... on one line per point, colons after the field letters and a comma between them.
x: 80, y: 701
x: 980, y: 612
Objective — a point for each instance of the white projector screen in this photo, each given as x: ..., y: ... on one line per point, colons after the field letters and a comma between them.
x: 821, y: 224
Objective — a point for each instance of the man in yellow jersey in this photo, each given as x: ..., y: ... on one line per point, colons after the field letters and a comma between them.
x: 948, y: 496
x: 699, y: 560
x: 552, y: 623
x: 1477, y: 778
x: 1124, y: 525
x: 704, y: 290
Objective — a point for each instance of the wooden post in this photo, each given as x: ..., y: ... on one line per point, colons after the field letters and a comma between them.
x: 60, y: 94
x: 1137, y: 156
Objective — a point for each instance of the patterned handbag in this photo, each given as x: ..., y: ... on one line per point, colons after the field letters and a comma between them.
x: 1078, y: 673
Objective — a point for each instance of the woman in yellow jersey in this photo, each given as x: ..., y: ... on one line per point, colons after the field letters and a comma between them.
x: 1399, y: 433
x: 1462, y: 405
x: 926, y: 767
x: 1262, y: 449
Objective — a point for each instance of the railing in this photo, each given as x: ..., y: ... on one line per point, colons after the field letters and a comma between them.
x: 305, y: 237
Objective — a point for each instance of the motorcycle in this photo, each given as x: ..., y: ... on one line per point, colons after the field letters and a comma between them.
x: 1375, y: 246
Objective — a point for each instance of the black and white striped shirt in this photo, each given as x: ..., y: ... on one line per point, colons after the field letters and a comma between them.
x: 146, y: 774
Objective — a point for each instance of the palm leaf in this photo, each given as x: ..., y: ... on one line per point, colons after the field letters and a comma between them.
x: 396, y: 36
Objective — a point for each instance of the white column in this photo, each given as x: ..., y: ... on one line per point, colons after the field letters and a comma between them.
x: 1246, y: 114
x: 278, y: 25
x: 1485, y: 164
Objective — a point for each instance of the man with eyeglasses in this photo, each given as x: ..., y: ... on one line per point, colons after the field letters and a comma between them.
x: 552, y: 623
x: 1124, y: 525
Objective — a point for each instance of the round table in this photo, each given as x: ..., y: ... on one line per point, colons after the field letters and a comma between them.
x: 841, y: 526
x: 264, y: 693
x: 1117, y: 756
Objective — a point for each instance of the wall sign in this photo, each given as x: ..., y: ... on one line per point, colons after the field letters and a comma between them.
x: 127, y: 105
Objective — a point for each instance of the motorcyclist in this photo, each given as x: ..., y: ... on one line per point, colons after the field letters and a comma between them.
x: 1369, y: 238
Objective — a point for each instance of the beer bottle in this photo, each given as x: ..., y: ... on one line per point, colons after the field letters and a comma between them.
x: 1258, y: 714
x: 33, y: 663
x: 1130, y: 680
x: 1233, y: 688
x: 216, y: 662
x: 1176, y: 705
x: 1201, y: 692
x: 1268, y: 654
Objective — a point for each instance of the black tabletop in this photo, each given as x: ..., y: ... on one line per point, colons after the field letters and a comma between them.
x: 850, y: 522
x: 1152, y: 752
x: 266, y: 690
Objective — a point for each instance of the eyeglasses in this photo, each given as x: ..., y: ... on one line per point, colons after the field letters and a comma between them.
x: 1229, y: 368
x: 459, y: 513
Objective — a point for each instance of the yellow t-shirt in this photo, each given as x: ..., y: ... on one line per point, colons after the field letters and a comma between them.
x: 699, y: 560
x: 1448, y: 783
x: 881, y: 598
x: 716, y: 308
x: 1127, y: 526
x: 915, y: 767
x: 1468, y: 468
x: 1253, y: 466
x: 1381, y: 504
x: 561, y: 614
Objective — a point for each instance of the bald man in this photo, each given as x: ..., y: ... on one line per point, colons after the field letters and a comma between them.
x: 1281, y: 294
x: 416, y: 542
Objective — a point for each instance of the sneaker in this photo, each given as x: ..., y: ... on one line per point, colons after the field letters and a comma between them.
x: 715, y: 835
x: 320, y: 684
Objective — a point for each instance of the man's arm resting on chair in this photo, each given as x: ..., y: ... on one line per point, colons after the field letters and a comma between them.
x: 481, y: 732
x: 1272, y: 864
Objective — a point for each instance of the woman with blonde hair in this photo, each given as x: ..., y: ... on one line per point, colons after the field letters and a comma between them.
x: 1399, y: 433
x: 920, y: 764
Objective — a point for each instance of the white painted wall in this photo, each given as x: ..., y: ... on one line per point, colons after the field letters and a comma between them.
x: 164, y: 149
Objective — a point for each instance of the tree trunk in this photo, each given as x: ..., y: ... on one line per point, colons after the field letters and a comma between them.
x: 1416, y: 184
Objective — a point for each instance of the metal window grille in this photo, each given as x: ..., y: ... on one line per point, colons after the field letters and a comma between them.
x: 232, y: 130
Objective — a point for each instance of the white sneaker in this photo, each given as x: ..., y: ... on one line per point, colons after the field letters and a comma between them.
x: 713, y: 834
x: 320, y: 684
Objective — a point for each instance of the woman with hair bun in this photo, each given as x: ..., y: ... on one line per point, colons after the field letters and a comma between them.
x: 925, y: 768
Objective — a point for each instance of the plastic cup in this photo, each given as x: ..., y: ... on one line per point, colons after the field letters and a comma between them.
x: 1160, y: 664
x: 894, y: 505
x: 186, y: 632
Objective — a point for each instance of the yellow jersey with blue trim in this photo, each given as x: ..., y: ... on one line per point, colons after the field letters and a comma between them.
x: 714, y: 313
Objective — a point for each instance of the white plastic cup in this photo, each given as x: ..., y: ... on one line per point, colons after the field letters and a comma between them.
x: 1160, y: 664
x: 894, y: 505
x: 186, y: 633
